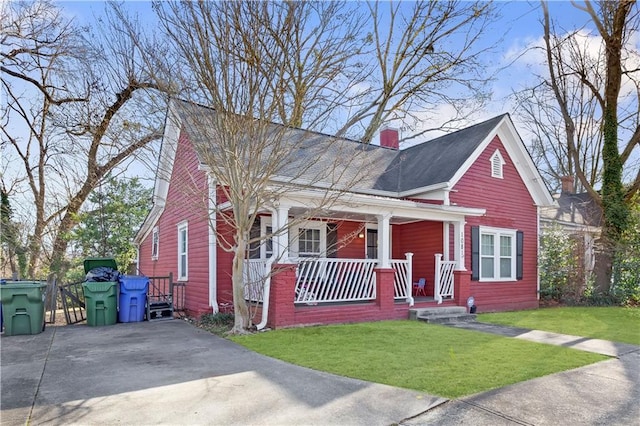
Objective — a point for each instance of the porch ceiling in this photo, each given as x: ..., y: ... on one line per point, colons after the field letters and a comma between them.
x: 355, y: 217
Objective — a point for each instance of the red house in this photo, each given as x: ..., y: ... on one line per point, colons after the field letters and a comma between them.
x: 460, y: 212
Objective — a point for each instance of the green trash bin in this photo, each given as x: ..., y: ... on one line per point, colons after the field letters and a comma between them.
x: 100, y: 297
x: 23, y: 307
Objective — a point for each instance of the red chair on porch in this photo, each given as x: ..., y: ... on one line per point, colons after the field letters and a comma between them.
x: 418, y: 288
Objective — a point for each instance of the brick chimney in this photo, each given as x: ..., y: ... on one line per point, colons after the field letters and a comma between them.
x: 567, y: 184
x: 389, y: 138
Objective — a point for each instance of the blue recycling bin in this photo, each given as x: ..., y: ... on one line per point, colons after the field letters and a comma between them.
x: 133, y: 298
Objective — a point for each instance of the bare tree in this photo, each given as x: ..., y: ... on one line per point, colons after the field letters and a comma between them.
x: 234, y: 53
x: 589, y: 122
x: 545, y: 118
x: 426, y: 54
x: 304, y: 64
x: 74, y: 90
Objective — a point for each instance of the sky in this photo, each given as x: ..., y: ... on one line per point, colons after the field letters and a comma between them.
x: 518, y: 26
x: 512, y: 65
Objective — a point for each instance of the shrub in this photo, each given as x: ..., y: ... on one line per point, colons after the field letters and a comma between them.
x: 561, y: 277
x: 219, y: 323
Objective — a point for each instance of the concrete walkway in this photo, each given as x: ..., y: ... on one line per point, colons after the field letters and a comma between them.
x: 604, y: 393
x: 173, y: 373
x: 598, y: 346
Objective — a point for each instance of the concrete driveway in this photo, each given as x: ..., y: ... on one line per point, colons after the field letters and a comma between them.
x: 171, y: 372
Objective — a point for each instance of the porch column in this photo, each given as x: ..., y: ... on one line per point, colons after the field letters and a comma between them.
x: 281, y: 307
x: 458, y: 245
x: 385, y: 291
x: 461, y: 287
x: 384, y: 239
x: 445, y: 239
x: 281, y: 238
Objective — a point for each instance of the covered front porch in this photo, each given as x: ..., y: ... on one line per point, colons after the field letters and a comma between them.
x: 326, y: 280
x: 351, y: 264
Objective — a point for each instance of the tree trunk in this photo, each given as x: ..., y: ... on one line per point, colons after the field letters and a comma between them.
x: 241, y: 310
x: 35, y: 245
x: 603, y: 268
x: 67, y: 223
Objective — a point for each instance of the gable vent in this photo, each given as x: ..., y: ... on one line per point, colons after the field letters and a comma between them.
x: 497, y: 163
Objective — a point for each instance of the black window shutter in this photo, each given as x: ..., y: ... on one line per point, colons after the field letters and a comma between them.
x: 332, y: 240
x: 254, y: 247
x: 475, y: 253
x: 519, y: 251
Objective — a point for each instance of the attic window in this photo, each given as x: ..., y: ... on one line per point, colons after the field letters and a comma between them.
x: 496, y: 164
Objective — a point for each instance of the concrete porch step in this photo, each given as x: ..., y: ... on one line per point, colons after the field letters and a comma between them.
x: 442, y: 315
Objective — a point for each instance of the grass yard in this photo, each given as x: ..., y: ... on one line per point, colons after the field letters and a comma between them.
x: 430, y: 358
x: 610, y: 323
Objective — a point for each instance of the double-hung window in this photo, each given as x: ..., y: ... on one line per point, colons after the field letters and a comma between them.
x: 308, y: 242
x: 183, y: 251
x: 497, y: 254
x: 309, y: 239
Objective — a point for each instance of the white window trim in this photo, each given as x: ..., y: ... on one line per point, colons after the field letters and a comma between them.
x: 155, y: 243
x: 500, y: 171
x: 183, y: 275
x: 310, y: 224
x: 265, y: 221
x: 497, y: 233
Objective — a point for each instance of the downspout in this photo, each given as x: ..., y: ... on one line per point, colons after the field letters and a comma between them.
x: 265, y: 294
x: 212, y: 225
x: 267, y: 282
x: 538, y: 252
x: 138, y: 259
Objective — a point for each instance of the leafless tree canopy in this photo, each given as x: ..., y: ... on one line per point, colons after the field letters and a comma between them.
x: 73, y: 102
x: 565, y: 109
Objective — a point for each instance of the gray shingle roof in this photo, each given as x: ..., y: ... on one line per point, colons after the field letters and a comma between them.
x: 362, y: 166
x: 579, y: 209
x: 435, y: 161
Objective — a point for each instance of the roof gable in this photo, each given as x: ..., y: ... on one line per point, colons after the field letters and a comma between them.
x: 435, y: 161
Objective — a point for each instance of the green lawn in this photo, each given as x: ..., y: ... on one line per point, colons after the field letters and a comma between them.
x: 610, y: 323
x: 430, y: 358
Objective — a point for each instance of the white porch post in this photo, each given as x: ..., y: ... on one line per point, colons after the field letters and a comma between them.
x: 409, y: 257
x: 384, y: 239
x: 281, y: 237
x: 458, y: 245
x: 445, y: 240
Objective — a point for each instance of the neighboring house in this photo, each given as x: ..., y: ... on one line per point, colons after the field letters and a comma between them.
x: 460, y: 210
x: 580, y: 216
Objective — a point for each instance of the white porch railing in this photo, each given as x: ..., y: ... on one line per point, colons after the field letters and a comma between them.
x: 402, y: 281
x: 254, y: 276
x: 322, y: 280
x: 443, y: 282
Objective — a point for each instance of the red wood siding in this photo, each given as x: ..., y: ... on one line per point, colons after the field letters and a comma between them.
x: 186, y: 201
x: 349, y: 245
x: 224, y: 261
x: 423, y: 239
x: 508, y: 205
